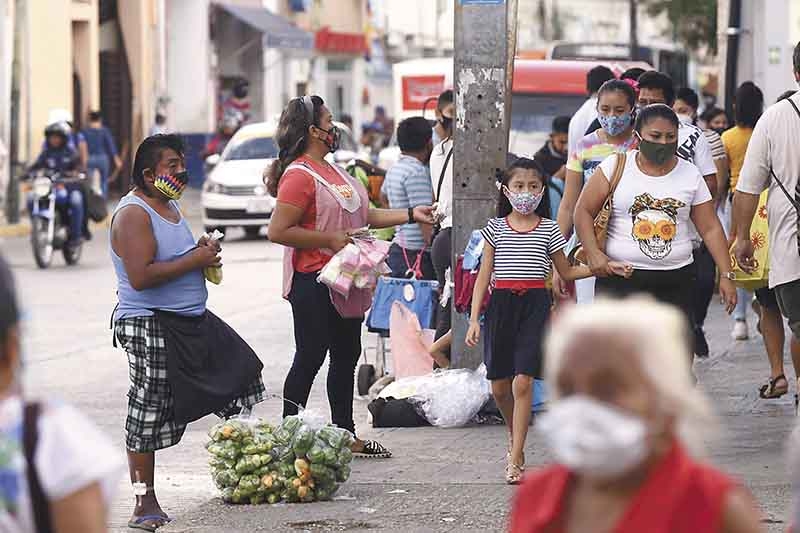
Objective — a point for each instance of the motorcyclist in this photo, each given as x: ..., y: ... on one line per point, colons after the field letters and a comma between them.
x: 58, y: 155
x: 228, y: 127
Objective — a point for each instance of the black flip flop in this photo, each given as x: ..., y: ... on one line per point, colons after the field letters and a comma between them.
x: 767, y: 391
x: 139, y: 522
x: 373, y: 450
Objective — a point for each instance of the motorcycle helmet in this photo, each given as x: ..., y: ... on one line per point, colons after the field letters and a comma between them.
x: 61, y: 128
x: 59, y: 115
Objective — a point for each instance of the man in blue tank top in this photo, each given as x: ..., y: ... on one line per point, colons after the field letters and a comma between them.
x: 159, y: 270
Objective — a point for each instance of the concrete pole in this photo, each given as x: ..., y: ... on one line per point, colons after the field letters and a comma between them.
x: 485, y: 37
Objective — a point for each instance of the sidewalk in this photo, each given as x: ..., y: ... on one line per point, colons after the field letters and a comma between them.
x: 452, y: 480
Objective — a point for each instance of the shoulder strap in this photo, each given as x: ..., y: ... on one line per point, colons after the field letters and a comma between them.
x: 619, y: 170
x: 551, y: 182
x: 792, y: 200
x: 441, y: 176
x: 30, y: 440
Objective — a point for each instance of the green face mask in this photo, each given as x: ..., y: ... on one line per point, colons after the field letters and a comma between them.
x: 657, y: 153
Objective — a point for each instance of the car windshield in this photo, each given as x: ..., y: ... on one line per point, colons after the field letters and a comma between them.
x: 255, y: 148
x: 532, y: 119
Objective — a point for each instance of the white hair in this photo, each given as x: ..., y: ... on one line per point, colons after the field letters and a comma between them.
x: 658, y: 333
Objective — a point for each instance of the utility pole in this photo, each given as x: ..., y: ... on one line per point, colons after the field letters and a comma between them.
x: 485, y: 42
x: 634, y: 28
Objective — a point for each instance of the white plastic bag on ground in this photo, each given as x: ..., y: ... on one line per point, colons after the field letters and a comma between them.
x: 446, y: 398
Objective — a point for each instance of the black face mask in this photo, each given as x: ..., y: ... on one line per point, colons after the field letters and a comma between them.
x: 719, y: 131
x: 240, y: 92
x: 334, y: 138
x: 446, y: 122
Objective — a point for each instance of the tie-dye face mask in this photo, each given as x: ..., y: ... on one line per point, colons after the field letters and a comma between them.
x: 172, y: 186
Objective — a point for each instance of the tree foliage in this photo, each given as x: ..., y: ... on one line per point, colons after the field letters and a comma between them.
x: 694, y: 22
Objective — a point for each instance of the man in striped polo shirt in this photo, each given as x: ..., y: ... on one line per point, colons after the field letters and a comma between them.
x: 408, y: 184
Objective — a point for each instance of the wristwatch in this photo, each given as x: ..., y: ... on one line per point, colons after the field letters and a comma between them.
x: 729, y: 275
x: 411, y: 215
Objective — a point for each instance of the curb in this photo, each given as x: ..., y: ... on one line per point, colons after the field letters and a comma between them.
x: 23, y: 229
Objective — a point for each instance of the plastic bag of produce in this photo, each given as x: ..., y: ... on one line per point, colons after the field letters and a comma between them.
x: 303, y: 440
x: 225, y: 478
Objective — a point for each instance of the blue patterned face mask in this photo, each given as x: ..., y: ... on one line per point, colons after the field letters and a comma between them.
x: 615, y: 124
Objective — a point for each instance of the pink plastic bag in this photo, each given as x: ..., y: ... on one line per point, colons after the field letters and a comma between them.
x: 410, y: 343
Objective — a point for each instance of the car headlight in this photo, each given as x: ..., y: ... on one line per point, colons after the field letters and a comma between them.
x: 211, y: 186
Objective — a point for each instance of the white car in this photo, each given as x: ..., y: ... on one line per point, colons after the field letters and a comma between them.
x: 234, y: 193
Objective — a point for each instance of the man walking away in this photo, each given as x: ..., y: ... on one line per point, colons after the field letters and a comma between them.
x: 102, y: 150
x: 773, y: 163
x: 587, y: 113
x: 408, y: 185
x: 184, y: 362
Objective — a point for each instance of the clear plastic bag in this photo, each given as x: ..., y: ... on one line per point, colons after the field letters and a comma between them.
x: 446, y: 398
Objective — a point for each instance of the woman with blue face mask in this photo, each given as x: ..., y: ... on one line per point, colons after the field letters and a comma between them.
x: 616, y: 101
x: 626, y: 426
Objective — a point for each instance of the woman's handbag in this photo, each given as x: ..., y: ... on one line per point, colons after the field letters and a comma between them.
x: 578, y: 254
x: 759, y: 236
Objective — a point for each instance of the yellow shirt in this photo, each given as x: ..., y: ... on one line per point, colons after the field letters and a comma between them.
x: 736, y: 140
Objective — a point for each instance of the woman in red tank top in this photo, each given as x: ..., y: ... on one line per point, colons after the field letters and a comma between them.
x: 624, y: 417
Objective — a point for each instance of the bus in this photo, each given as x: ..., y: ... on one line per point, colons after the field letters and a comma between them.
x: 669, y: 60
x: 541, y: 90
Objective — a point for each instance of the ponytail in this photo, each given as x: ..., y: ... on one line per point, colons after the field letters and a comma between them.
x: 291, y: 139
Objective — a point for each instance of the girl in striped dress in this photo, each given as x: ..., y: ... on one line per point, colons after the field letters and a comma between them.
x: 521, y: 247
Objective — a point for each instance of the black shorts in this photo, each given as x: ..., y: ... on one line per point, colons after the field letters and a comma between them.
x: 767, y: 299
x: 514, y: 333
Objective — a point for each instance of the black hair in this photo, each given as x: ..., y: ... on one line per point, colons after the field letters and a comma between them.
x: 596, y: 77
x: 561, y: 124
x: 796, y: 58
x: 414, y: 134
x: 785, y: 95
x: 648, y: 113
x: 618, y: 86
x: 711, y: 113
x: 149, y: 154
x: 9, y: 310
x: 292, y: 138
x: 653, y: 79
x: 688, y: 95
x: 748, y: 104
x: 160, y: 119
x: 632, y: 73
x: 95, y: 116
x: 503, y: 204
x: 346, y: 119
x: 444, y: 99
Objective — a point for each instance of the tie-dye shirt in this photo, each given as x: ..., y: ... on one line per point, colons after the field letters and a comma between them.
x: 592, y: 150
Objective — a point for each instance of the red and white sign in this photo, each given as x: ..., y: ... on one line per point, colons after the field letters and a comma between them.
x: 418, y: 89
x: 326, y: 40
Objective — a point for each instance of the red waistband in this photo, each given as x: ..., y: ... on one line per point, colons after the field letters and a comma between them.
x: 520, y: 284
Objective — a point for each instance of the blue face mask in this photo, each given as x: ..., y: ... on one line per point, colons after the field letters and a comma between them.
x: 615, y: 124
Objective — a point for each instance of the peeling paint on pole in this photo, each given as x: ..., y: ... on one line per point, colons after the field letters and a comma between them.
x: 484, y: 50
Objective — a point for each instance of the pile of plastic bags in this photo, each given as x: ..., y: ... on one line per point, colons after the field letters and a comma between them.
x: 253, y: 463
x: 358, y: 265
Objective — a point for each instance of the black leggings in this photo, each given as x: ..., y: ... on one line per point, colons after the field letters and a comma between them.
x: 319, y: 329
x: 668, y: 286
x: 705, y: 274
x: 442, y: 255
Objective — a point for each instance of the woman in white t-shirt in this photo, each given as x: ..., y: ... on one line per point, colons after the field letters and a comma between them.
x: 657, y: 196
x: 57, y: 471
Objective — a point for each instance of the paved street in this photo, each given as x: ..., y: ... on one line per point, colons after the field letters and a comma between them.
x: 439, y: 480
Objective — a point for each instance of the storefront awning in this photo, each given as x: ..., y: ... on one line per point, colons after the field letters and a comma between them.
x: 278, y: 32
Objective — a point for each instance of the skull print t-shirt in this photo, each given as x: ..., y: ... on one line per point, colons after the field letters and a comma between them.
x: 650, y: 226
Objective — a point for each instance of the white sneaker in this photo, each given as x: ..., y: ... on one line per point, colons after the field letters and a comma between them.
x: 740, y: 331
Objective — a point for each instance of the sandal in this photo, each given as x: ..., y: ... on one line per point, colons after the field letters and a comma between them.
x: 771, y: 390
x: 373, y: 450
x: 513, y: 473
x: 139, y: 522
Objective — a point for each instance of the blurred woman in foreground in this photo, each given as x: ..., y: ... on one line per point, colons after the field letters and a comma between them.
x: 623, y: 427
